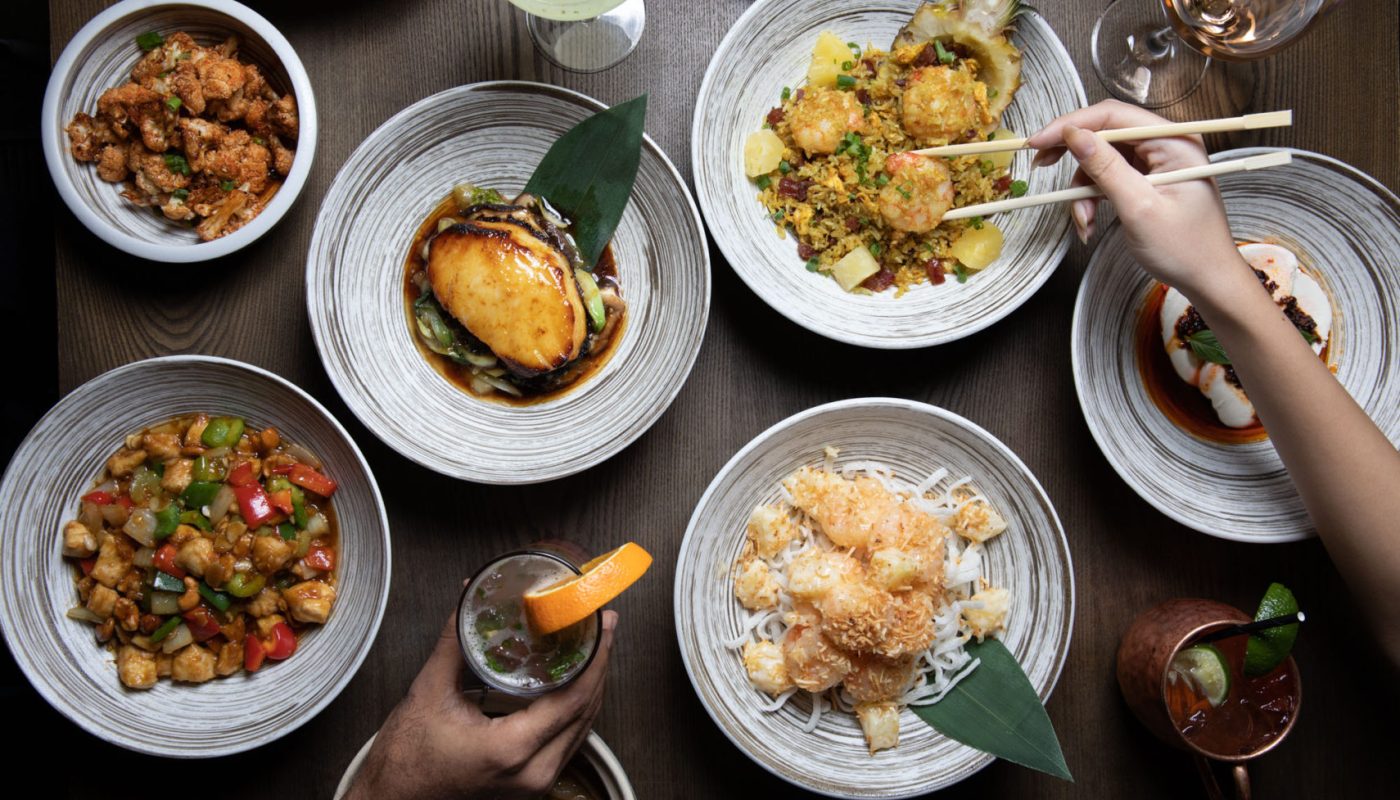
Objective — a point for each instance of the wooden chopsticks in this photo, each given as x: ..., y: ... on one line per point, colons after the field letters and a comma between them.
x: 1276, y: 159
x: 1267, y: 119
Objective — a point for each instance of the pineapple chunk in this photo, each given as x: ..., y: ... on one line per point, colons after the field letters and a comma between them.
x: 770, y: 531
x: 854, y: 267
x: 1001, y: 160
x: 990, y: 615
x: 978, y: 247
x: 763, y: 151
x: 893, y: 569
x: 827, y: 56
x: 880, y: 722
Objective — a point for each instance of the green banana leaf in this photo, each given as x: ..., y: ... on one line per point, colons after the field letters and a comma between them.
x: 589, y: 171
x: 996, y: 710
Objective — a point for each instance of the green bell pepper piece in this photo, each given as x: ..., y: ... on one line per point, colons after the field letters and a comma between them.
x: 167, y: 520
x: 165, y: 582
x: 222, y: 432
x: 200, y: 494
x: 245, y: 584
x: 218, y: 600
x: 165, y: 629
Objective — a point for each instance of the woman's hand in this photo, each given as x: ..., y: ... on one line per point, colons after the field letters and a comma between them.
x: 1178, y: 232
x: 437, y: 744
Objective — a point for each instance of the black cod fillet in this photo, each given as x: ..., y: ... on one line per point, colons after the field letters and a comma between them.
x: 512, y: 290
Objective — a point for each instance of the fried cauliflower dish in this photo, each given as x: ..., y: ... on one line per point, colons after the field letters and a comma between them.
x: 197, y: 134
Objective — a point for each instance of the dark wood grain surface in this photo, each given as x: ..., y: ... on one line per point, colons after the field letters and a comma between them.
x: 368, y: 60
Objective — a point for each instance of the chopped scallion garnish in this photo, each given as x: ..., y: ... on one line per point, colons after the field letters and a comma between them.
x: 227, y: 185
x: 173, y: 103
x: 976, y: 223
x: 763, y: 181
x: 1018, y: 188
x: 848, y: 65
x: 784, y: 167
x: 813, y: 265
x: 787, y: 92
x: 177, y: 163
x: 845, y: 81
x: 943, y: 55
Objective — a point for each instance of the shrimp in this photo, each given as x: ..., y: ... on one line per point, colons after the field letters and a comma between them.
x: 813, y: 662
x: 755, y: 585
x: 814, y: 573
x: 941, y: 104
x: 855, y: 615
x: 874, y: 680
x: 766, y: 667
x: 919, y: 193
x: 823, y: 117
x: 910, y: 627
x: 847, y: 510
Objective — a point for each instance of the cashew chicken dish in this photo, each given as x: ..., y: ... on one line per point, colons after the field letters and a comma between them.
x: 205, y: 548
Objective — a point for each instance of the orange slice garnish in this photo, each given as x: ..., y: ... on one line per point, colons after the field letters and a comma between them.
x: 574, y: 599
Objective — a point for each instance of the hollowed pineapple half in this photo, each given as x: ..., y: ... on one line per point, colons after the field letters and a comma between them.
x: 980, y: 27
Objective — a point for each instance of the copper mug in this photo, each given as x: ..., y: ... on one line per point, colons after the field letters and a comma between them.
x: 1144, y: 654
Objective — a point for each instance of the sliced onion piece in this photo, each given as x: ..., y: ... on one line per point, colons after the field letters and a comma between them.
x: 141, y: 526
x: 178, y: 638
x: 83, y: 614
x: 222, y: 502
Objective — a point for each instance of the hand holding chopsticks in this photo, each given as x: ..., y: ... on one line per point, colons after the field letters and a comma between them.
x: 1270, y: 119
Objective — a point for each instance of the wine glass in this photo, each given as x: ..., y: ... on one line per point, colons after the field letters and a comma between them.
x: 1155, y: 52
x: 584, y: 35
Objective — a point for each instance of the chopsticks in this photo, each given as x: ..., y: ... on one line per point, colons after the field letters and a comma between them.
x: 1263, y: 161
x: 1267, y: 119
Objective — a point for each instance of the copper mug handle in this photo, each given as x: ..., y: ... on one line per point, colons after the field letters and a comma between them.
x: 1240, y: 772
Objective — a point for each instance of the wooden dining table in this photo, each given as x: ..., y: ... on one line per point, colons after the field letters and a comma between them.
x: 368, y: 60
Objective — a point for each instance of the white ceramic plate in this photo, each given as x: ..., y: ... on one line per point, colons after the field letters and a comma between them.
x: 494, y: 134
x: 769, y: 48
x: 1031, y: 559
x: 59, y: 461
x: 101, y: 56
x: 1345, y: 228
x: 594, y: 751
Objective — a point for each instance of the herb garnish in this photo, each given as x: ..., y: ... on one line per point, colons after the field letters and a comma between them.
x: 1206, y: 347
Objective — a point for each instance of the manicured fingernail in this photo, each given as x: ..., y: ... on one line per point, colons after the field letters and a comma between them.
x: 1080, y: 142
x: 1040, y: 157
x: 1081, y: 222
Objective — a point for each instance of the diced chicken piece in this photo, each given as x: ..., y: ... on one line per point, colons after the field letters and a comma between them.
x: 985, y: 612
x: 880, y: 723
x: 113, y: 560
x: 161, y: 445
x: 266, y: 603
x: 78, y: 541
x: 310, y: 601
x: 813, y: 573
x: 125, y: 461
x: 196, y: 555
x: 193, y: 664
x: 755, y: 585
x: 267, y: 623
x: 179, y: 472
x: 766, y: 667
x: 136, y: 668
x: 164, y: 661
x: 196, y: 430
x: 978, y: 521
x: 102, y: 601
x: 770, y: 530
x: 230, y: 657
x: 270, y: 553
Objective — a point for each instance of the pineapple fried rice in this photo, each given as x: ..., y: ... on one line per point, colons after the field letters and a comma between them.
x: 831, y: 162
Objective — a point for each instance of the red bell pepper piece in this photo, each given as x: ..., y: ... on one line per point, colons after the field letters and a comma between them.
x: 164, y: 559
x: 255, y: 504
x: 310, y: 479
x: 320, y: 558
x: 87, y: 564
x: 283, y: 501
x: 282, y: 469
x: 253, y: 653
x: 284, y: 642
x: 201, y: 623
x: 242, y: 475
x: 100, y: 498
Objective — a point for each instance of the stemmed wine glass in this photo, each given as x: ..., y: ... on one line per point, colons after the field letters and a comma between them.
x: 1155, y: 52
x: 584, y: 35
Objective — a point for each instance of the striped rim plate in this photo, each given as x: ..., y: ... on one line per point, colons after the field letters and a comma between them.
x: 494, y: 134
x: 1031, y: 559
x: 769, y: 48
x: 1345, y: 227
x: 59, y: 461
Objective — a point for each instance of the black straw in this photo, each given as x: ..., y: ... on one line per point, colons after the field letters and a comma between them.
x: 1252, y: 627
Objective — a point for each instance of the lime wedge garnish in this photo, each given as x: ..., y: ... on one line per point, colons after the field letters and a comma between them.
x: 1268, y: 648
x: 1204, y: 667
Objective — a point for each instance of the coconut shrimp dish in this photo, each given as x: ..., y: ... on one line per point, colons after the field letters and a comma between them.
x: 861, y: 589
x: 832, y: 162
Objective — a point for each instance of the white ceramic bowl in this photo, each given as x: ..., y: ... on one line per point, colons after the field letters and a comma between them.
x: 58, y: 462
x: 101, y: 56
x: 770, y: 47
x: 1031, y: 559
x: 1345, y: 228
